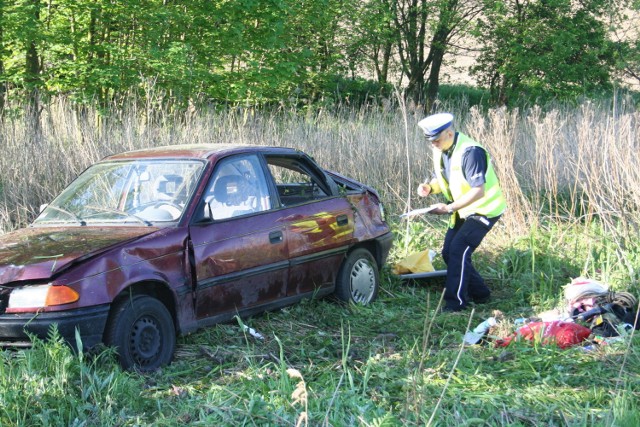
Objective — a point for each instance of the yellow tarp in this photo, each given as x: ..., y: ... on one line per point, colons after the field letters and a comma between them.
x: 419, y: 262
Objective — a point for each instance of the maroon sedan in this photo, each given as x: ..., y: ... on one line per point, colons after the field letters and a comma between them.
x: 152, y: 243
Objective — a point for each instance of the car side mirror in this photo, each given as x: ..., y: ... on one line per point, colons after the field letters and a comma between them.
x: 207, y: 214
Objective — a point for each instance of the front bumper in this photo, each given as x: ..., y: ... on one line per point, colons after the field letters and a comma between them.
x: 90, y: 321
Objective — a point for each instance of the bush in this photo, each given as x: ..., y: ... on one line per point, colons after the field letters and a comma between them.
x: 354, y: 92
x: 471, y: 96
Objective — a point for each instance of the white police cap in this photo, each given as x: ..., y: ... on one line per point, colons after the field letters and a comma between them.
x: 434, y: 124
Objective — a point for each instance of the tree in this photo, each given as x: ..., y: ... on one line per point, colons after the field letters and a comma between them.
x: 373, y: 38
x: 543, y: 49
x: 318, y: 36
x: 21, y: 25
x: 410, y: 17
x: 629, y: 60
x: 424, y: 31
x: 453, y: 21
x: 626, y: 36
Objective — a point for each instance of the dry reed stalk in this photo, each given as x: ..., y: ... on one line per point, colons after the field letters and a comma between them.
x: 497, y: 133
x: 400, y: 96
x: 565, y: 163
x: 414, y: 397
x: 451, y: 372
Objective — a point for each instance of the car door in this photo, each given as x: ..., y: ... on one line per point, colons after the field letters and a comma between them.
x: 319, y: 223
x: 238, y: 246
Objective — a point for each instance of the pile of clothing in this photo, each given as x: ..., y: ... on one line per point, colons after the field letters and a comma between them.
x: 591, y: 313
x: 605, y: 312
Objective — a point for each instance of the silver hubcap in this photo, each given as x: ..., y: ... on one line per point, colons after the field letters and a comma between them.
x: 363, y: 282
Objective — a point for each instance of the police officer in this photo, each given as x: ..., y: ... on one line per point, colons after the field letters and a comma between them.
x: 465, y: 176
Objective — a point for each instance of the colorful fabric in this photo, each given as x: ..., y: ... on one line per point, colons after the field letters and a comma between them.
x: 563, y: 334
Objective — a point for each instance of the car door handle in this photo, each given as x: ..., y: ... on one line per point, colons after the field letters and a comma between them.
x: 275, y: 237
x: 342, y: 220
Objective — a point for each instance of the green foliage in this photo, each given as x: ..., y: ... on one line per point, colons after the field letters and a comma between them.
x: 49, y: 385
x: 544, y: 50
x: 464, y: 95
x: 372, y: 38
x: 353, y: 92
x: 103, y: 51
x: 281, y: 52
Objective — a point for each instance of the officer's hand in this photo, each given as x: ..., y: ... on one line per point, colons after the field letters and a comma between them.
x: 440, y: 209
x: 424, y: 190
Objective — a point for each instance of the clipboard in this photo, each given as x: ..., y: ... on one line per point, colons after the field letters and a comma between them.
x: 416, y: 212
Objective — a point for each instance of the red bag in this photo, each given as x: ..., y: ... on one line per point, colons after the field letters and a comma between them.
x: 563, y: 334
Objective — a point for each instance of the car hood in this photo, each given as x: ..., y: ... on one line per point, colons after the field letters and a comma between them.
x: 41, y: 253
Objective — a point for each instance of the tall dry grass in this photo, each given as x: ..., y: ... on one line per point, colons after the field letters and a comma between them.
x: 567, y: 163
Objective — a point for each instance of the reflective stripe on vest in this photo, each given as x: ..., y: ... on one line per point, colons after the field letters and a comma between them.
x: 491, y: 204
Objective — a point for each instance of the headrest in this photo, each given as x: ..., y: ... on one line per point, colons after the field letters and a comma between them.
x: 230, y: 189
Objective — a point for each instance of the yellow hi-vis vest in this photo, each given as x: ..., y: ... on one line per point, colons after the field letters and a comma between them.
x: 491, y: 204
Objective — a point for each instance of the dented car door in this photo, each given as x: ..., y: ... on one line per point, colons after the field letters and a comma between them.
x: 319, y: 221
x: 239, y: 250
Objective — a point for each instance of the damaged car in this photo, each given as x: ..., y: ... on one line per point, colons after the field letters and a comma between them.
x: 148, y: 245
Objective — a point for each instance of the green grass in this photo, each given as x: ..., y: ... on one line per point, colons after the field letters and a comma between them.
x: 396, y: 362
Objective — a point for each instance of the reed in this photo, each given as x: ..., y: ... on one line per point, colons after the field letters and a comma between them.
x: 559, y: 164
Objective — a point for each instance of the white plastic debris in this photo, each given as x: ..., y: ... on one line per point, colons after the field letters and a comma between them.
x: 253, y: 332
x: 476, y: 335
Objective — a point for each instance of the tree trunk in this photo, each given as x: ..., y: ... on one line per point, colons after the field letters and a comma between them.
x: 32, y: 73
x: 433, y: 82
x: 415, y: 87
x: 410, y: 17
x: 436, y: 57
x: 381, y: 60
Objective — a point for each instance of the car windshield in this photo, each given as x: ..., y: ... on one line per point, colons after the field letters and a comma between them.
x: 126, y: 193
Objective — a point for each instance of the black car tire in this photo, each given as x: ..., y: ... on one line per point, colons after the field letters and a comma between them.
x: 358, y: 279
x: 143, y: 333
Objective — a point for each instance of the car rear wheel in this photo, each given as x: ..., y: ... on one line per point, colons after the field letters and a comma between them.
x: 358, y: 280
x: 142, y: 331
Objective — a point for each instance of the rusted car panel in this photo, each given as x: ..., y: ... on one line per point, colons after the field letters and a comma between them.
x: 318, y: 237
x: 157, y: 258
x: 40, y: 253
x: 151, y: 243
x: 239, y: 262
x: 370, y: 225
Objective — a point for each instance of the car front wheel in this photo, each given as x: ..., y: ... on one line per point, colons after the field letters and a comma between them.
x: 358, y: 280
x: 142, y: 331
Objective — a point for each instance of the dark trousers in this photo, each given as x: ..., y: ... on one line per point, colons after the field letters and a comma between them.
x: 464, y: 283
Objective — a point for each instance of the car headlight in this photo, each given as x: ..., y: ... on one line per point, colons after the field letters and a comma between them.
x: 38, y: 296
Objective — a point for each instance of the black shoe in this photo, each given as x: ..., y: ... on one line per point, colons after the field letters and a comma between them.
x: 481, y: 299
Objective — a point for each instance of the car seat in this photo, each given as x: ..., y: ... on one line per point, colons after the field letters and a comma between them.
x: 232, y: 197
x: 167, y: 186
x: 231, y: 190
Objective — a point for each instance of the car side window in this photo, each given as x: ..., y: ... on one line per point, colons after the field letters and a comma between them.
x: 296, y: 181
x: 237, y: 187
